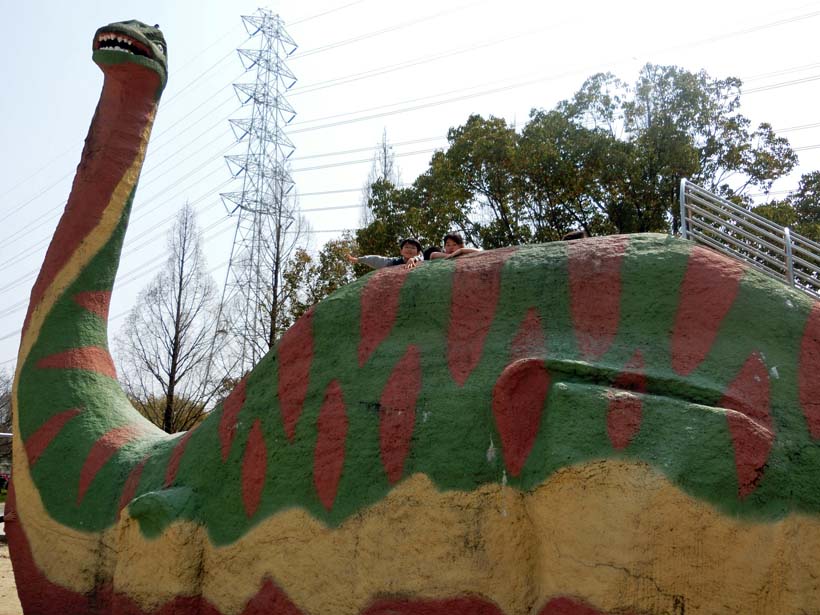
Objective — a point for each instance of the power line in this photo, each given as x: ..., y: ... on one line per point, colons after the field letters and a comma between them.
x: 324, y: 192
x: 360, y: 161
x: 411, y: 63
x: 367, y: 149
x: 328, y: 12
x: 393, y: 28
x: 782, y: 84
x: 803, y: 127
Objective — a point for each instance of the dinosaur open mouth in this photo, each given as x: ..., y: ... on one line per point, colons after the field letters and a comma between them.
x: 119, y: 42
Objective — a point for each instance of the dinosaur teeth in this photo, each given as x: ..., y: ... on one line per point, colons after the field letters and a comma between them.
x: 111, y: 41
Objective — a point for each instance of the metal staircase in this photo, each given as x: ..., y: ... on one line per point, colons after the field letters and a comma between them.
x: 720, y: 224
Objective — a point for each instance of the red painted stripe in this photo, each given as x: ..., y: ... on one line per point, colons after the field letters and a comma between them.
x: 176, y: 458
x: 809, y: 376
x: 329, y: 454
x: 97, y: 175
x: 295, y: 358
x: 529, y: 341
x: 476, y: 289
x: 751, y: 423
x: 623, y: 419
x: 230, y: 414
x: 472, y: 605
x: 464, y: 605
x: 254, y: 468
x: 131, y: 484
x: 269, y: 600
x: 88, y: 358
x: 571, y: 606
x: 595, y: 291
x: 38, y: 442
x: 709, y: 288
x: 95, y: 301
x: 518, y: 404
x: 397, y: 414
x: 102, y: 450
x: 379, y: 307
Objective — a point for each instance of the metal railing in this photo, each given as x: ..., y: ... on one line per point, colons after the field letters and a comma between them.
x: 749, y: 237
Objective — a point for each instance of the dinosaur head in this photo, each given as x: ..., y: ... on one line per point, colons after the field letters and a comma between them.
x: 131, y: 42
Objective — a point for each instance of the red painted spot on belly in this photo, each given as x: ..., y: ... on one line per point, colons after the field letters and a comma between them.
x: 518, y: 403
x: 623, y: 419
x: 230, y: 414
x: 595, y: 292
x: 751, y: 423
x: 254, y: 468
x: 102, y: 450
x: 45, y: 434
x: 95, y: 301
x: 131, y: 484
x: 809, y: 376
x: 476, y: 289
x: 708, y: 290
x: 176, y: 458
x: 379, y: 307
x: 295, y: 357
x: 397, y: 413
x: 88, y: 358
x: 329, y: 454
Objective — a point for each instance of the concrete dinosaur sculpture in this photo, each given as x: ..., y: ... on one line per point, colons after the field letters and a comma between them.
x: 621, y: 425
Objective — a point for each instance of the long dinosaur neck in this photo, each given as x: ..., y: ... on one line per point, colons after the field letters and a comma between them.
x: 100, y: 199
x: 64, y: 366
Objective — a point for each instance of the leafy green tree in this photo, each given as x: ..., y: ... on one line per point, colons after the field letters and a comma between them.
x: 680, y: 124
x: 609, y: 160
x: 421, y: 211
x: 806, y: 204
x: 800, y: 210
x: 477, y: 171
x: 560, y: 176
x: 307, y: 280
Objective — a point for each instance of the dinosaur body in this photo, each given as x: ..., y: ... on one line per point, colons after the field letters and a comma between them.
x: 626, y: 424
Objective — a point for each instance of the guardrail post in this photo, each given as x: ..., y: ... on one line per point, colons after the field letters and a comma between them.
x: 682, y: 198
x: 787, y: 236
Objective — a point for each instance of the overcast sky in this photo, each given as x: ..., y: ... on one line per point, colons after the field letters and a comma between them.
x: 363, y: 67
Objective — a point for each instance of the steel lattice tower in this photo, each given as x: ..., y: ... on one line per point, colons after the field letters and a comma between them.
x: 262, y: 209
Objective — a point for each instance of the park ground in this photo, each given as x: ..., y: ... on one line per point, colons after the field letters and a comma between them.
x: 9, y: 603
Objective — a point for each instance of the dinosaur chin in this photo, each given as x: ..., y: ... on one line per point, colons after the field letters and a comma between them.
x: 595, y: 426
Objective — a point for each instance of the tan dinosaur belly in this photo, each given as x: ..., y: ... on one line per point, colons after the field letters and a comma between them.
x: 611, y: 534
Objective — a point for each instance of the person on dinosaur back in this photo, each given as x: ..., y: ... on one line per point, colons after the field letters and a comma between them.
x: 453, y: 246
x: 410, y: 250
